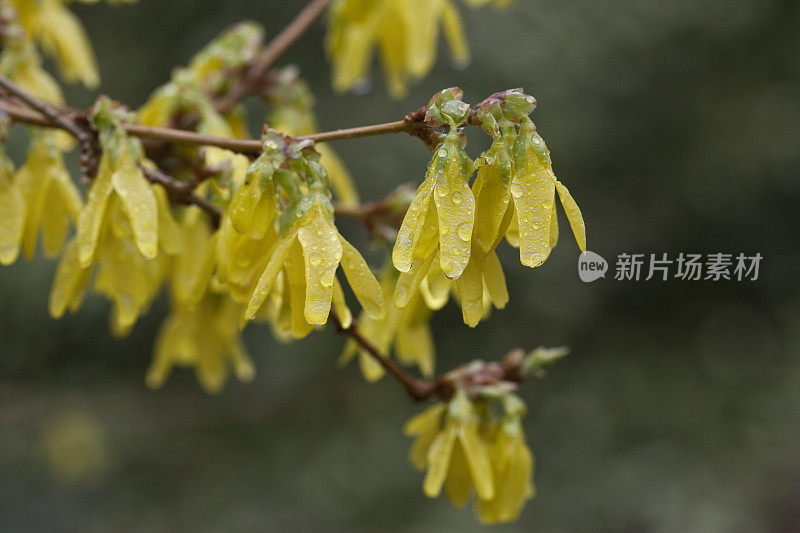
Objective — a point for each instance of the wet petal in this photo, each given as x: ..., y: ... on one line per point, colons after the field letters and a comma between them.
x: 412, y: 228
x: 573, y: 215
x: 362, y: 281
x: 322, y: 252
x: 139, y: 204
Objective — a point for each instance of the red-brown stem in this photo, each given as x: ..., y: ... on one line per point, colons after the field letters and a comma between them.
x: 418, y: 389
x: 272, y: 52
x: 242, y: 146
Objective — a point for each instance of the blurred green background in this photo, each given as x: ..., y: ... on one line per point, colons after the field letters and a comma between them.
x: 675, y: 125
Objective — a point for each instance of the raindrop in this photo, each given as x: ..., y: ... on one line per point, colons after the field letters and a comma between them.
x: 464, y: 231
x: 315, y: 259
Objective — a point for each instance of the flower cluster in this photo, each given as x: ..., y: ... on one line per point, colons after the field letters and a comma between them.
x: 467, y: 448
x: 448, y: 237
x: 234, y: 239
x: 405, y: 32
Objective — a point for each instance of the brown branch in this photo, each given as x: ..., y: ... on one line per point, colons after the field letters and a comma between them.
x: 182, y: 192
x: 272, y: 52
x: 51, y: 113
x: 49, y: 116
x: 471, y: 377
x: 418, y: 389
x: 243, y: 146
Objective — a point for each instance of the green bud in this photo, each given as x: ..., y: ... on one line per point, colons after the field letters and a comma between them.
x: 539, y: 359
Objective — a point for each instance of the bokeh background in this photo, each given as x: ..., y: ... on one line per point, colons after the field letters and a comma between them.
x: 675, y: 124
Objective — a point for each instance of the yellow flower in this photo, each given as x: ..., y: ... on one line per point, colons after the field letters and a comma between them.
x: 12, y: 213
x: 122, y: 274
x: 512, y: 466
x: 533, y: 187
x: 450, y: 447
x: 309, y: 253
x: 204, y: 336
x: 241, y: 259
x: 62, y: 36
x: 406, y: 32
x: 118, y: 176
x: 51, y: 197
x: 405, y: 329
x: 441, y: 215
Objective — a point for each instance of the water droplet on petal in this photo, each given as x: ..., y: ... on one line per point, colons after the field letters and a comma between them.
x: 315, y: 259
x: 464, y: 231
x: 457, y: 198
x: 516, y: 190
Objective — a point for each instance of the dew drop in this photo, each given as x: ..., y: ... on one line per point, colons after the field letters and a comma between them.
x: 443, y: 229
x: 464, y: 231
x: 516, y: 190
x: 535, y: 225
x: 315, y: 259
x: 457, y: 251
x: 547, y: 205
x: 457, y: 198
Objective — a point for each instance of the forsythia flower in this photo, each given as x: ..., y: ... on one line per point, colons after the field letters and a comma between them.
x: 406, y: 329
x: 406, y: 33
x: 450, y: 447
x: 512, y: 465
x: 309, y: 252
x: 466, y: 448
x: 118, y: 176
x: 51, y: 197
x: 123, y: 274
x: 62, y: 36
x: 441, y: 215
x: 533, y: 187
x: 205, y: 336
x: 12, y: 213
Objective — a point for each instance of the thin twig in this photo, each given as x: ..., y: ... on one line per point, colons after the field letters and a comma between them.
x: 51, y: 113
x: 242, y: 146
x: 272, y: 52
x: 418, y: 389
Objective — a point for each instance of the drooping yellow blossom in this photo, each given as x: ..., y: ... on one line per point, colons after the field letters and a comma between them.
x: 51, y: 198
x: 406, y: 330
x: 442, y: 214
x: 206, y: 337
x: 405, y: 32
x: 533, y: 188
x: 309, y: 253
x: 12, y: 213
x: 118, y: 176
x: 121, y: 272
x: 193, y: 265
x: 512, y: 467
x: 468, y: 449
x: 450, y: 448
x: 62, y: 36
